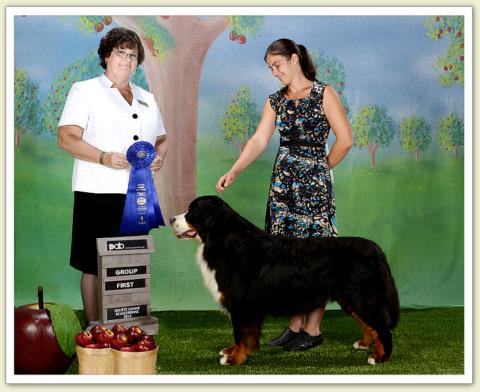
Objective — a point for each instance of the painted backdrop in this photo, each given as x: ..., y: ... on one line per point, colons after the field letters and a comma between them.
x: 400, y: 78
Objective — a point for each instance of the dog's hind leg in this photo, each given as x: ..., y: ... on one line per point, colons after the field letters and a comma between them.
x: 383, y: 348
x: 368, y: 336
x: 382, y: 340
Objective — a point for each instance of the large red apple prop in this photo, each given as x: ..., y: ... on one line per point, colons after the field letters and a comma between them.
x: 36, y: 348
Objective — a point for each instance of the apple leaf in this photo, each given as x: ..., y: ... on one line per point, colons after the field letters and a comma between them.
x: 65, y: 325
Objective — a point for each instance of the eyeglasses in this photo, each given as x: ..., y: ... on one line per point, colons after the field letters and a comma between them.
x: 126, y: 55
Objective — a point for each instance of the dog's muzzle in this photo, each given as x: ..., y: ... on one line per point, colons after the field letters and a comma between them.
x: 181, y: 227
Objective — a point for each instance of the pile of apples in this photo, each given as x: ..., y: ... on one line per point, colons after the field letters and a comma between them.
x: 119, y: 338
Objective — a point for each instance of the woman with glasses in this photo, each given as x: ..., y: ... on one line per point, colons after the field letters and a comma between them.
x: 102, y: 117
x: 301, y: 201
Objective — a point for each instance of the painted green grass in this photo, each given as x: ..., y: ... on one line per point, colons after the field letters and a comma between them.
x: 426, y: 342
x: 414, y: 210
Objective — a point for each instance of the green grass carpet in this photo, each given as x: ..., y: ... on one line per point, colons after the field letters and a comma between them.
x: 426, y: 342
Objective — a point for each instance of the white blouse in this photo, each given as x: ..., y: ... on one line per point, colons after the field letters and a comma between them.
x: 110, y: 124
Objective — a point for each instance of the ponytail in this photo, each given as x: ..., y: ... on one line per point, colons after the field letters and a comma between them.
x: 308, y: 68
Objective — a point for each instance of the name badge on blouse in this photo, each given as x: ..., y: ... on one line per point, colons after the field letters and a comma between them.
x: 142, y: 103
x: 142, y: 210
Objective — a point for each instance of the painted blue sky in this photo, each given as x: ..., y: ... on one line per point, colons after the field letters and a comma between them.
x: 388, y: 61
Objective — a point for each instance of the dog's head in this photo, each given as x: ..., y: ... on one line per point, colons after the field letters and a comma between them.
x: 205, y: 214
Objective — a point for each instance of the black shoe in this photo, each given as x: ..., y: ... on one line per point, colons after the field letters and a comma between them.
x: 303, y: 342
x: 284, y: 338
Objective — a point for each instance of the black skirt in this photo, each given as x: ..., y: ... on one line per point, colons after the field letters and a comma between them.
x: 95, y: 215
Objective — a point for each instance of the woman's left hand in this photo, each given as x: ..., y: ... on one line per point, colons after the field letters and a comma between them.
x: 156, y: 164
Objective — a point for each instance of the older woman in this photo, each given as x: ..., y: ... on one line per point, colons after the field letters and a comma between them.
x: 102, y: 117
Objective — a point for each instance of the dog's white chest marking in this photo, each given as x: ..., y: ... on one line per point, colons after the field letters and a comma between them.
x: 208, y: 274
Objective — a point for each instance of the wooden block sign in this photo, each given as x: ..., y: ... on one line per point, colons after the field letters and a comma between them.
x: 124, y: 282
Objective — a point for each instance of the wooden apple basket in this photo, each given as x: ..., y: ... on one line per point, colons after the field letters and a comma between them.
x: 110, y: 361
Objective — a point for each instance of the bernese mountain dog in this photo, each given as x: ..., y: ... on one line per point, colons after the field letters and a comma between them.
x: 252, y: 274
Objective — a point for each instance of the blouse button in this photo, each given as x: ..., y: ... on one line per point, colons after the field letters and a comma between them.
x: 135, y: 115
x: 135, y: 137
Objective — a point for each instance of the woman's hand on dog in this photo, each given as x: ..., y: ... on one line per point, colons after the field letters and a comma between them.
x: 225, y: 180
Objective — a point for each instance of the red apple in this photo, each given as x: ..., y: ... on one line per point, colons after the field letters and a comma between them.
x: 129, y: 349
x: 233, y: 35
x: 83, y: 338
x: 119, y: 340
x: 142, y: 345
x: 98, y: 27
x: 241, y: 39
x: 97, y: 330
x: 97, y: 345
x: 148, y: 340
x: 119, y: 328
x: 105, y: 337
x: 459, y: 34
x: 134, y: 334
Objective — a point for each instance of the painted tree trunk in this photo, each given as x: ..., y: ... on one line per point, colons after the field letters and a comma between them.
x: 455, y: 151
x: 18, y: 135
x: 417, y: 154
x: 372, y: 149
x: 175, y: 85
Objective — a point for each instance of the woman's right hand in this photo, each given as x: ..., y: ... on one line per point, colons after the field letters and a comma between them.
x: 115, y: 160
x: 225, y: 180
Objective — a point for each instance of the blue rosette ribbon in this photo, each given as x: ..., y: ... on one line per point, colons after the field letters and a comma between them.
x: 142, y: 210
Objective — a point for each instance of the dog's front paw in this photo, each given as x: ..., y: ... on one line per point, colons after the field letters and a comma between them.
x: 359, y: 345
x: 224, y: 360
x: 226, y: 351
x: 232, y: 356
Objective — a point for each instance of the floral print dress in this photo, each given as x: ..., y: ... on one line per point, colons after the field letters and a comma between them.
x: 301, y: 201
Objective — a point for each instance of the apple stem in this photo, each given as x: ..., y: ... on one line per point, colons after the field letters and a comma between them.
x: 40, y: 297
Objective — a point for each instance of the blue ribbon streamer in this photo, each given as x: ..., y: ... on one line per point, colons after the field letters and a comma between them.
x: 142, y: 210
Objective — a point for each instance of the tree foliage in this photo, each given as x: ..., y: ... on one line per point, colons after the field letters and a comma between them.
x: 156, y: 38
x: 450, y: 132
x: 331, y: 71
x: 451, y: 64
x: 415, y: 134
x: 243, y: 26
x: 27, y: 106
x: 85, y: 68
x: 372, y: 127
x: 241, y: 118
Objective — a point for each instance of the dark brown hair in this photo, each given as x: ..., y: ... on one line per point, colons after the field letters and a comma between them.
x: 120, y: 37
x: 286, y: 47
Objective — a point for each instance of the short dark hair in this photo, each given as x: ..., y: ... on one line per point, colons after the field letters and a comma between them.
x: 286, y: 47
x: 120, y: 37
